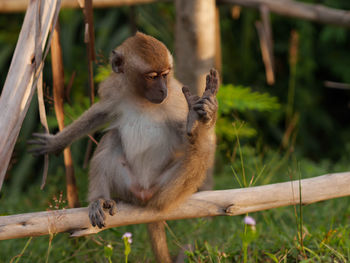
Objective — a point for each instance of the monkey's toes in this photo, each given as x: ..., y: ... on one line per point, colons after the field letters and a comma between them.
x: 111, y: 205
x: 212, y: 82
x: 96, y: 213
x: 97, y: 219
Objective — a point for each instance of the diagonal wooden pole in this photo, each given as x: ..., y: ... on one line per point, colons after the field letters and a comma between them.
x: 22, y: 77
x: 202, y: 204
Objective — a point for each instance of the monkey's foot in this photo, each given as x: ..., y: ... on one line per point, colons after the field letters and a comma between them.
x: 202, y: 109
x: 96, y: 211
x: 207, y: 106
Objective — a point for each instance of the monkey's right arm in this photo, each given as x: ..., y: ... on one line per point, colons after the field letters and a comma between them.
x: 94, y: 117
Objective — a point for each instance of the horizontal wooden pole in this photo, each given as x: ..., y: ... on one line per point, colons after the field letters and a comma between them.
x: 202, y: 204
x: 314, y: 12
x: 11, y: 6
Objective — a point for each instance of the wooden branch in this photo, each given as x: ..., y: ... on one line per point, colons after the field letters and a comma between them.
x: 58, y: 97
x: 21, y: 79
x: 314, y: 12
x: 265, y: 35
x: 336, y: 85
x: 266, y: 53
x: 10, y: 6
x: 202, y: 204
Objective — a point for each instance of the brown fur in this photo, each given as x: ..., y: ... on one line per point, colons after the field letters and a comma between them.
x: 149, y: 50
x: 154, y: 155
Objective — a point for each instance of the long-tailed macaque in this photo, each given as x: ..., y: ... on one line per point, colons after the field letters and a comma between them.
x: 160, y: 141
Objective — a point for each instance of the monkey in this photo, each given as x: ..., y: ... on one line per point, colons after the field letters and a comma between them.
x: 160, y: 140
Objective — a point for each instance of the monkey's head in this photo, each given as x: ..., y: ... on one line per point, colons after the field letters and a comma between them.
x: 146, y: 64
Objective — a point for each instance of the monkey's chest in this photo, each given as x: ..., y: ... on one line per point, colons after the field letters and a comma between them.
x: 141, y: 135
x: 146, y: 144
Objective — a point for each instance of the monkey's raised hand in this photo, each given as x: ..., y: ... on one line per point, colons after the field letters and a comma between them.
x: 45, y: 143
x: 202, y: 109
x: 96, y: 211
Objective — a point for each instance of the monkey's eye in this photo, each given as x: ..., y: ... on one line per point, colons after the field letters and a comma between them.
x: 152, y: 75
x: 165, y: 73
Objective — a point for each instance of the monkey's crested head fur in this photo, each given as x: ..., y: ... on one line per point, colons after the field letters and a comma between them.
x: 150, y: 50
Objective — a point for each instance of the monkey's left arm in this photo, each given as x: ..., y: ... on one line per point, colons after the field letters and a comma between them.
x: 186, y: 175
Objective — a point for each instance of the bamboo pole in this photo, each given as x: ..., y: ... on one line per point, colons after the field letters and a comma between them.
x: 21, y: 79
x: 202, y: 204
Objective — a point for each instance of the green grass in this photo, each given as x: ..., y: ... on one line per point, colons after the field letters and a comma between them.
x: 325, y: 225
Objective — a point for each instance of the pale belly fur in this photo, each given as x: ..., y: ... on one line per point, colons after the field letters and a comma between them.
x: 146, y: 145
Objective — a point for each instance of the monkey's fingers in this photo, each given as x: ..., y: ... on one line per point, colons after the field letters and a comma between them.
x: 41, y: 135
x: 212, y: 83
x: 192, y: 122
x: 202, y: 111
x: 40, y: 141
x: 36, y: 142
x: 38, y: 138
x: 37, y: 151
x: 187, y: 94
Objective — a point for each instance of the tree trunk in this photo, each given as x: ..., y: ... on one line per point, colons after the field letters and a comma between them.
x: 195, y: 43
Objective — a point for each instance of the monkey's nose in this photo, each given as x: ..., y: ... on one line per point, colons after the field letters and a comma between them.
x: 163, y: 93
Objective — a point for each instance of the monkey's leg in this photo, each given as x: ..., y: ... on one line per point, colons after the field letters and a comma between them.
x: 109, y: 177
x: 158, y: 240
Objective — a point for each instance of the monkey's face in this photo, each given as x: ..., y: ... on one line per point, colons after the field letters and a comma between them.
x: 156, y: 86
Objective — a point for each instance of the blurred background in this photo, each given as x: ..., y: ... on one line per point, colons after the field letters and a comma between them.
x: 296, y: 127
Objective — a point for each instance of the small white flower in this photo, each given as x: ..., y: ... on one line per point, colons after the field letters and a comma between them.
x: 248, y: 220
x: 127, y: 235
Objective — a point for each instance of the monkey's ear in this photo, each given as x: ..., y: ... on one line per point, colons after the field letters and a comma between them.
x: 117, y: 62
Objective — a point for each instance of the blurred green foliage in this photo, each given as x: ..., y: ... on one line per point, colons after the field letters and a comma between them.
x: 250, y: 111
x: 258, y: 111
x: 237, y: 99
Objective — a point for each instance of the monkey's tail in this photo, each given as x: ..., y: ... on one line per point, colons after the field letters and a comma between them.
x: 158, y: 240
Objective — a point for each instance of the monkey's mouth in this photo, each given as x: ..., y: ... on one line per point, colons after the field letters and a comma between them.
x: 158, y: 100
